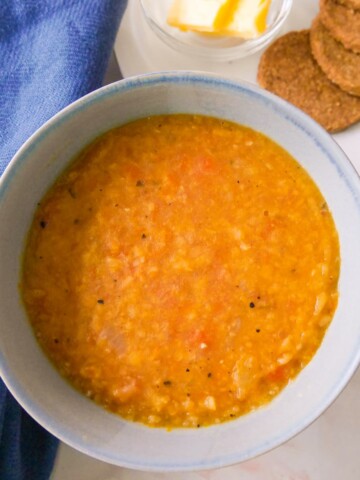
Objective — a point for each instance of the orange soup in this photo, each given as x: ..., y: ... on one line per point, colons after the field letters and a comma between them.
x: 181, y: 271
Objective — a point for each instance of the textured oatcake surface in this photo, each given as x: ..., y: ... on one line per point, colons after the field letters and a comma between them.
x: 340, y: 65
x: 354, y: 4
x: 288, y: 69
x: 342, y: 22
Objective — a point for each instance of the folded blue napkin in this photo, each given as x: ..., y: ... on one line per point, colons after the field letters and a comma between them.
x: 52, y: 52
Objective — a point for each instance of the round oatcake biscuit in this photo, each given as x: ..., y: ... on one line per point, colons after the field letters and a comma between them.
x: 340, y: 65
x: 288, y: 69
x: 354, y: 4
x: 343, y: 23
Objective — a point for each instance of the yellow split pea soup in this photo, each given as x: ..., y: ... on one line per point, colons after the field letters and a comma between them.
x: 181, y: 271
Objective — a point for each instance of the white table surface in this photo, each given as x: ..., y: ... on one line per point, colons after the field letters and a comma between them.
x: 329, y: 448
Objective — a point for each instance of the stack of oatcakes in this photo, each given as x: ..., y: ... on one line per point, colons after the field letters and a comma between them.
x: 318, y: 70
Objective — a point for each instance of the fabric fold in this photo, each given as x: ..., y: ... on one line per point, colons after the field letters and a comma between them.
x: 52, y: 52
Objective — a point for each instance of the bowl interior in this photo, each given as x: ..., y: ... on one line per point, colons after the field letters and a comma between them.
x: 215, y: 48
x: 78, y: 421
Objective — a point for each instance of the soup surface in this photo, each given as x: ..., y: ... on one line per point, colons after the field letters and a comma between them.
x: 181, y: 271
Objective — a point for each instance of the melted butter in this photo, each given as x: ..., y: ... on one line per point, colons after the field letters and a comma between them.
x: 241, y: 18
x: 226, y: 14
x: 261, y: 19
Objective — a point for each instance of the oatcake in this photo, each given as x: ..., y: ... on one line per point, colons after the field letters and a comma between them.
x: 354, y: 4
x: 343, y: 23
x: 340, y: 65
x: 288, y: 69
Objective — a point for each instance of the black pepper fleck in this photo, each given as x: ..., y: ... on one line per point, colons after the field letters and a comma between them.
x: 143, y: 235
x: 209, y: 375
x: 258, y: 330
x: 252, y: 305
x: 188, y: 370
x: 101, y: 301
x: 43, y: 224
x: 71, y: 192
x: 140, y: 183
x: 167, y: 383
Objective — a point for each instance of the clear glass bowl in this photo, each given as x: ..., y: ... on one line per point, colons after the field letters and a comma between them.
x: 212, y: 48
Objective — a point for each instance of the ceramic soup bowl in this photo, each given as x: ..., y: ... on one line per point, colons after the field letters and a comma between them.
x: 71, y: 416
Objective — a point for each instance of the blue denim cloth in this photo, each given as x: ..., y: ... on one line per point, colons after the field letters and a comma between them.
x: 51, y: 53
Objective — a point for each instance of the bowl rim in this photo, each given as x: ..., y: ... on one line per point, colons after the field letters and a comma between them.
x: 302, y: 121
x: 247, y: 48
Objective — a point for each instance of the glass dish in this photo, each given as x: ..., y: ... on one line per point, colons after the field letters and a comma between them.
x: 212, y: 48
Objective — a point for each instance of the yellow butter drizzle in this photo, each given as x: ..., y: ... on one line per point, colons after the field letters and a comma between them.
x: 227, y: 11
x: 226, y: 14
x: 261, y: 20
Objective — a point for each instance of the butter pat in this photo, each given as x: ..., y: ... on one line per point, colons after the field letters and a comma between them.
x: 239, y: 18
